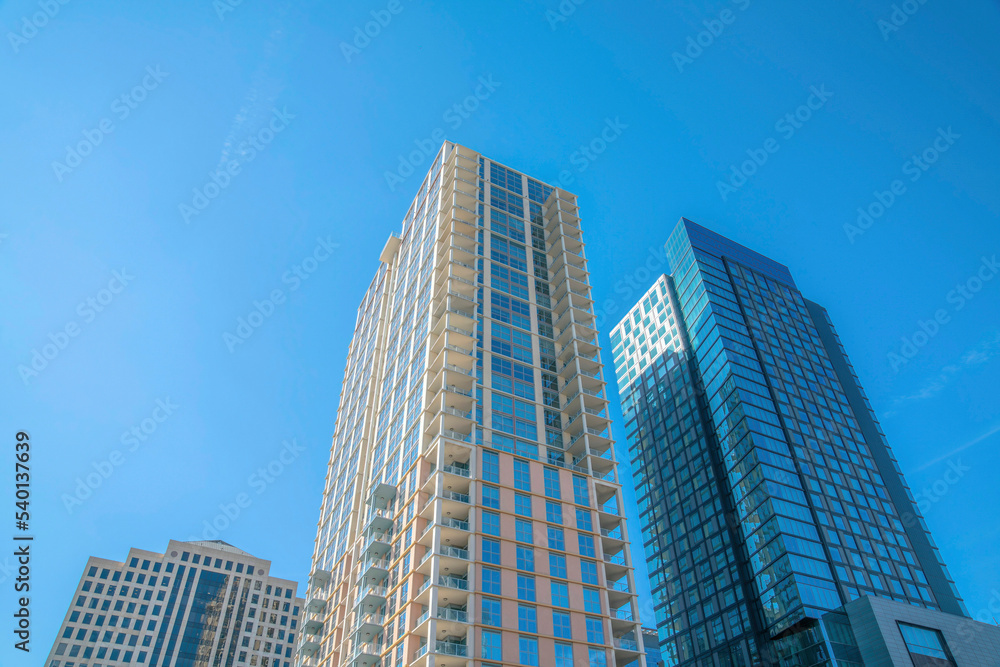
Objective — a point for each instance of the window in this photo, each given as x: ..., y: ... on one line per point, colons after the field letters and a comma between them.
x: 557, y: 566
x: 491, y: 523
x: 522, y: 475
x: 581, y: 496
x: 564, y: 655
x: 491, y: 581
x: 522, y: 505
x: 553, y: 512
x: 522, y: 531
x: 491, y: 612
x: 525, y: 558
x: 551, y: 482
x: 591, y: 600
x: 595, y: 630
x: 561, y: 627
x: 924, y: 641
x: 598, y: 657
x: 556, y: 538
x: 491, y: 497
x: 491, y: 467
x: 528, y: 651
x: 584, y: 520
x: 586, y: 545
x: 525, y: 588
x: 560, y: 595
x: 491, y: 645
x: 491, y: 551
x: 527, y: 619
x: 588, y: 572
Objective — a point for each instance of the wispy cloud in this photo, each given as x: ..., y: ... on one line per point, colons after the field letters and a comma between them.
x: 975, y: 441
x: 984, y: 352
x: 260, y: 98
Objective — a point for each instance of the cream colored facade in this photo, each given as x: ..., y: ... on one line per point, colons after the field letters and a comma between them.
x: 473, y: 512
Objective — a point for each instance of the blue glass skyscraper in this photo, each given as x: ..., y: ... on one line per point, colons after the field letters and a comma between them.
x: 769, y: 497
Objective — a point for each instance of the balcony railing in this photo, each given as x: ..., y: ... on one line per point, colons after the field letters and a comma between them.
x: 618, y: 559
x: 624, y: 614
x: 455, y: 552
x: 456, y: 470
x: 459, y: 369
x: 455, y: 523
x: 460, y: 350
x: 457, y: 413
x: 626, y: 644
x: 451, y: 648
x: 615, y: 533
x: 454, y: 582
x: 464, y: 332
x: 457, y: 615
x: 454, y: 495
x: 589, y: 392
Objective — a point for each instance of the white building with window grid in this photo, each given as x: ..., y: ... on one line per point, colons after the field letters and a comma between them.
x: 199, y: 604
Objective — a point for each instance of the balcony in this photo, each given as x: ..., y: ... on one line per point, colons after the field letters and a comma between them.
x: 567, y: 266
x: 627, y: 644
x: 577, y: 379
x: 315, y: 605
x: 382, y: 495
x: 459, y: 469
x: 378, y: 522
x: 375, y: 570
x: 452, y: 614
x: 452, y: 423
x: 454, y: 553
x: 585, y: 398
x: 460, y: 265
x: 313, y: 627
x: 616, y: 566
x: 319, y: 578
x: 617, y: 533
x: 365, y: 655
x: 308, y: 648
x: 376, y: 545
x: 372, y: 597
x: 458, y: 583
x: 451, y: 648
x: 565, y: 238
x: 619, y: 592
x: 560, y: 212
x: 583, y: 306
x: 370, y: 626
x: 453, y: 504
x: 624, y: 614
x: 452, y: 530
x: 459, y: 312
x: 583, y: 318
x: 610, y: 507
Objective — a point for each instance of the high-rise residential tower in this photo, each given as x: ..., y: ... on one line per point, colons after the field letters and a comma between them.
x: 199, y: 604
x: 472, y: 513
x: 768, y: 495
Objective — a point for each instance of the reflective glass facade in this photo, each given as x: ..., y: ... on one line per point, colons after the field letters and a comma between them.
x: 768, y: 494
x: 472, y: 513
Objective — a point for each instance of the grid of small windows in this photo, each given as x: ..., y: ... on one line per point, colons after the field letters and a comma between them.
x: 789, y: 453
x: 699, y: 593
x: 120, y: 630
x: 868, y: 545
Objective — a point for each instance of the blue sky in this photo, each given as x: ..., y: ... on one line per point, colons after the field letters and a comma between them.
x: 200, y: 82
